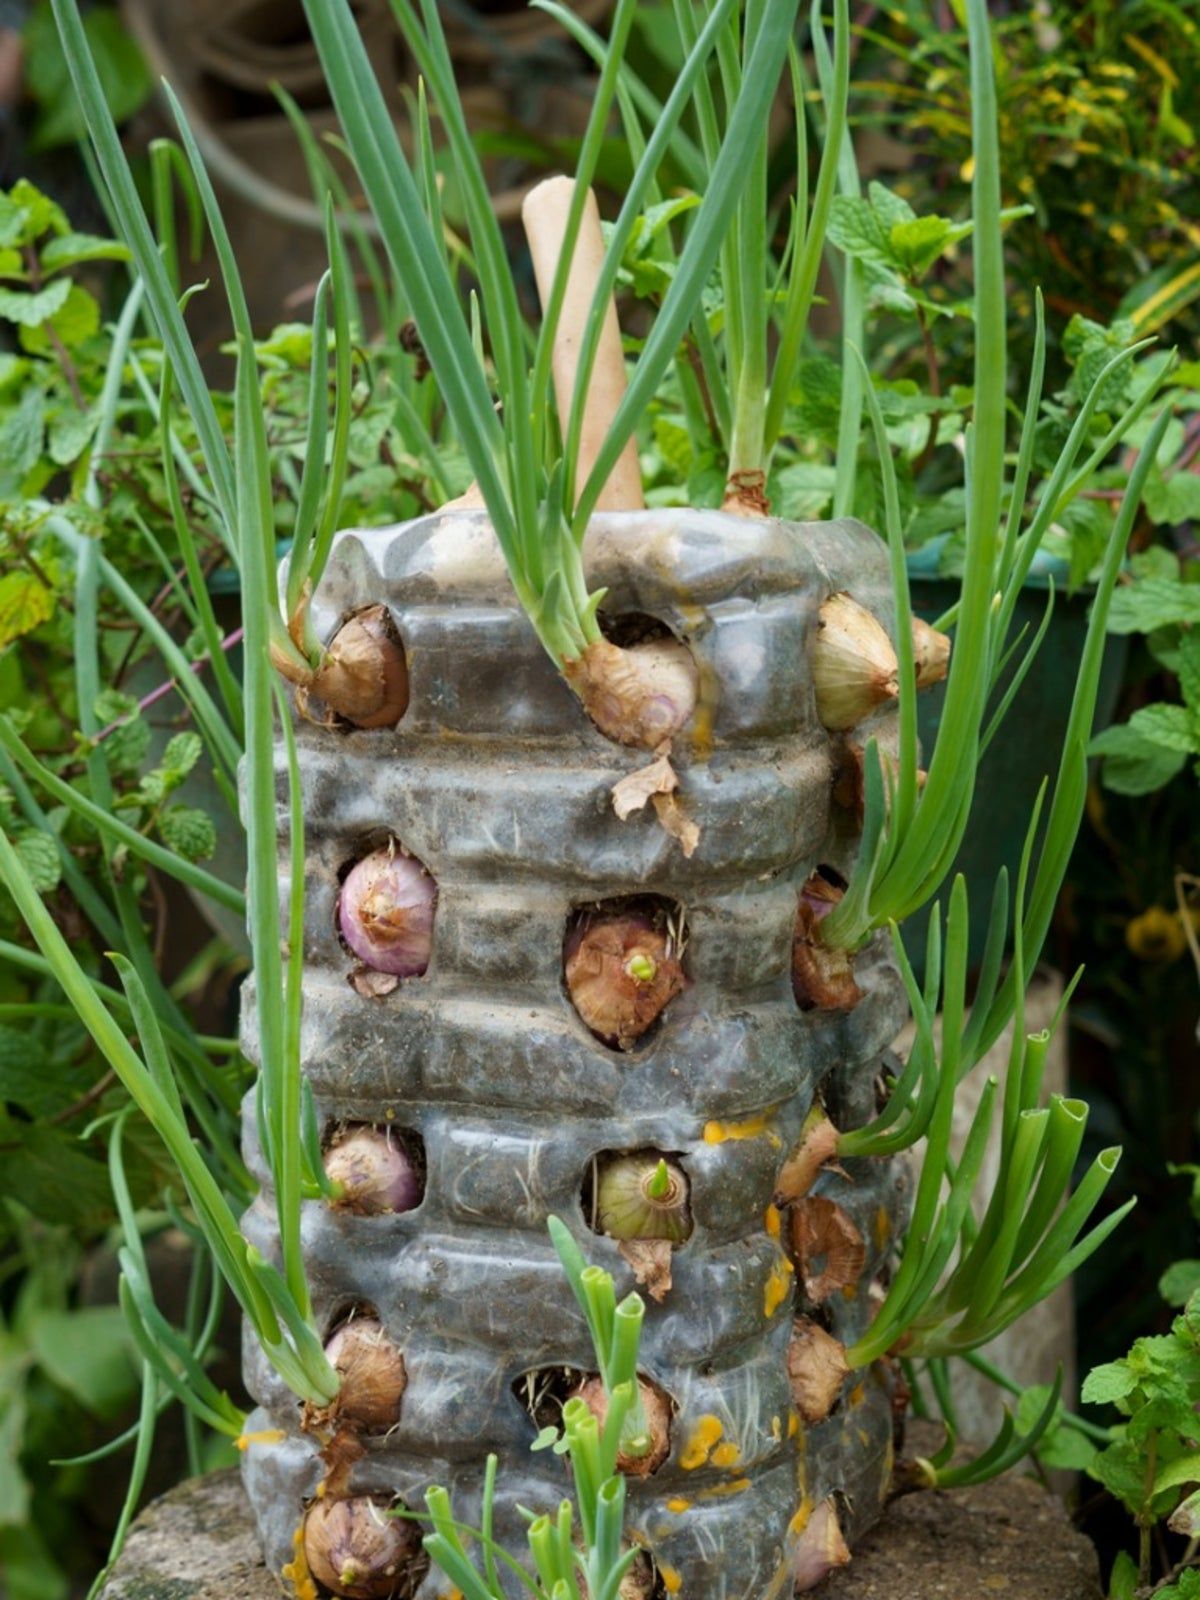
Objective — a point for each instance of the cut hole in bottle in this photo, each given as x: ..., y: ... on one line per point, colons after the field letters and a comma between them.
x: 371, y: 1369
x: 361, y: 681
x: 355, y: 1549
x: 817, y: 1370
x: 646, y: 1437
x: 623, y: 965
x: 822, y: 977
x: 638, y: 1195
x: 385, y: 913
x: 380, y: 1169
x: 829, y: 1249
x: 638, y: 683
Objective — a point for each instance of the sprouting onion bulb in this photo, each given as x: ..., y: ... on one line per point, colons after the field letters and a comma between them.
x: 639, y: 695
x: 822, y: 979
x: 372, y: 1373
x: 362, y: 678
x: 931, y: 653
x: 854, y: 666
x: 357, y: 1550
x: 646, y: 1439
x: 385, y: 912
x: 621, y: 972
x: 375, y: 1169
x: 642, y: 1196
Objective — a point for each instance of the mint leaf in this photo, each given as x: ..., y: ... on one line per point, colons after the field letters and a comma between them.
x: 77, y: 320
x: 1108, y: 1383
x: 1179, y: 1282
x: 40, y: 858
x: 25, y: 603
x: 1134, y: 764
x: 71, y: 249
x: 29, y: 307
x: 189, y: 832
x: 21, y: 435
x: 1170, y: 727
x: 1151, y: 603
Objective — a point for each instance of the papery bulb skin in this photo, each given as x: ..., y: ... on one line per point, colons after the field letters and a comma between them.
x: 372, y: 1373
x: 642, y: 1196
x: 363, y: 675
x: 656, y: 1409
x: 830, y: 1251
x: 386, y: 910
x: 621, y: 973
x: 821, y: 1548
x: 822, y: 979
x: 638, y: 1582
x: 850, y: 778
x: 355, y: 1549
x: 376, y: 1171
x: 816, y: 1147
x: 817, y: 1369
x: 641, y: 695
x: 931, y: 653
x: 854, y: 666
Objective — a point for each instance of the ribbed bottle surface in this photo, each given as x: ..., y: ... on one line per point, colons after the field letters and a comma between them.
x: 497, y: 782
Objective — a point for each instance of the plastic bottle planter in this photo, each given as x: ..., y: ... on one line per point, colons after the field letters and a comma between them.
x: 497, y: 782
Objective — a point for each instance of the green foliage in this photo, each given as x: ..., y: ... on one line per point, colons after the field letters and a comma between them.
x: 122, y: 69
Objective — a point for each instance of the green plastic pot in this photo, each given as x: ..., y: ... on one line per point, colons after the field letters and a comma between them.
x: 1026, y: 749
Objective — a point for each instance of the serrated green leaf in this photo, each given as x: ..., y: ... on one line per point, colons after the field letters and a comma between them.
x: 29, y: 307
x: 69, y: 433
x: 188, y: 831
x: 1179, y: 1282
x: 1173, y: 500
x: 34, y: 211
x: 71, y: 249
x: 21, y: 436
x: 1183, y: 1470
x: 1154, y: 603
x: 1169, y: 727
x: 181, y: 754
x: 78, y: 320
x: 1132, y: 764
x: 918, y: 243
x: 39, y: 854
x: 25, y: 603
x: 1107, y: 1383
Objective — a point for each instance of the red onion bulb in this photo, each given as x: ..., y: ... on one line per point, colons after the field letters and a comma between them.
x: 621, y: 973
x: 376, y: 1171
x: 372, y: 1372
x: 385, y: 912
x: 357, y: 1550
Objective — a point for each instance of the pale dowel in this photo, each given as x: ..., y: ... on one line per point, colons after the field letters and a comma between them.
x: 545, y: 217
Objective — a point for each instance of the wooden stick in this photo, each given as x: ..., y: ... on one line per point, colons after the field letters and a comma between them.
x: 544, y: 215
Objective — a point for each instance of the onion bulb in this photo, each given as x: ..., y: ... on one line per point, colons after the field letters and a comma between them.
x: 816, y: 1146
x: 642, y: 1196
x: 362, y: 678
x: 817, y: 1369
x: 829, y: 1248
x: 385, y: 912
x: 822, y: 979
x: 357, y: 1550
x: 821, y: 1549
x: 854, y: 666
x: 621, y: 972
x: 931, y: 653
x: 371, y: 1369
x: 376, y: 1171
x: 638, y: 1582
x: 640, y: 695
x: 643, y: 1454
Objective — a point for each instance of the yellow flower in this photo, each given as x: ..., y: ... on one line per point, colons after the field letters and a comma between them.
x: 1156, y: 935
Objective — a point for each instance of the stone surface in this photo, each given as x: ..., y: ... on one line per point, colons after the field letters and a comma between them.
x: 1009, y: 1540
